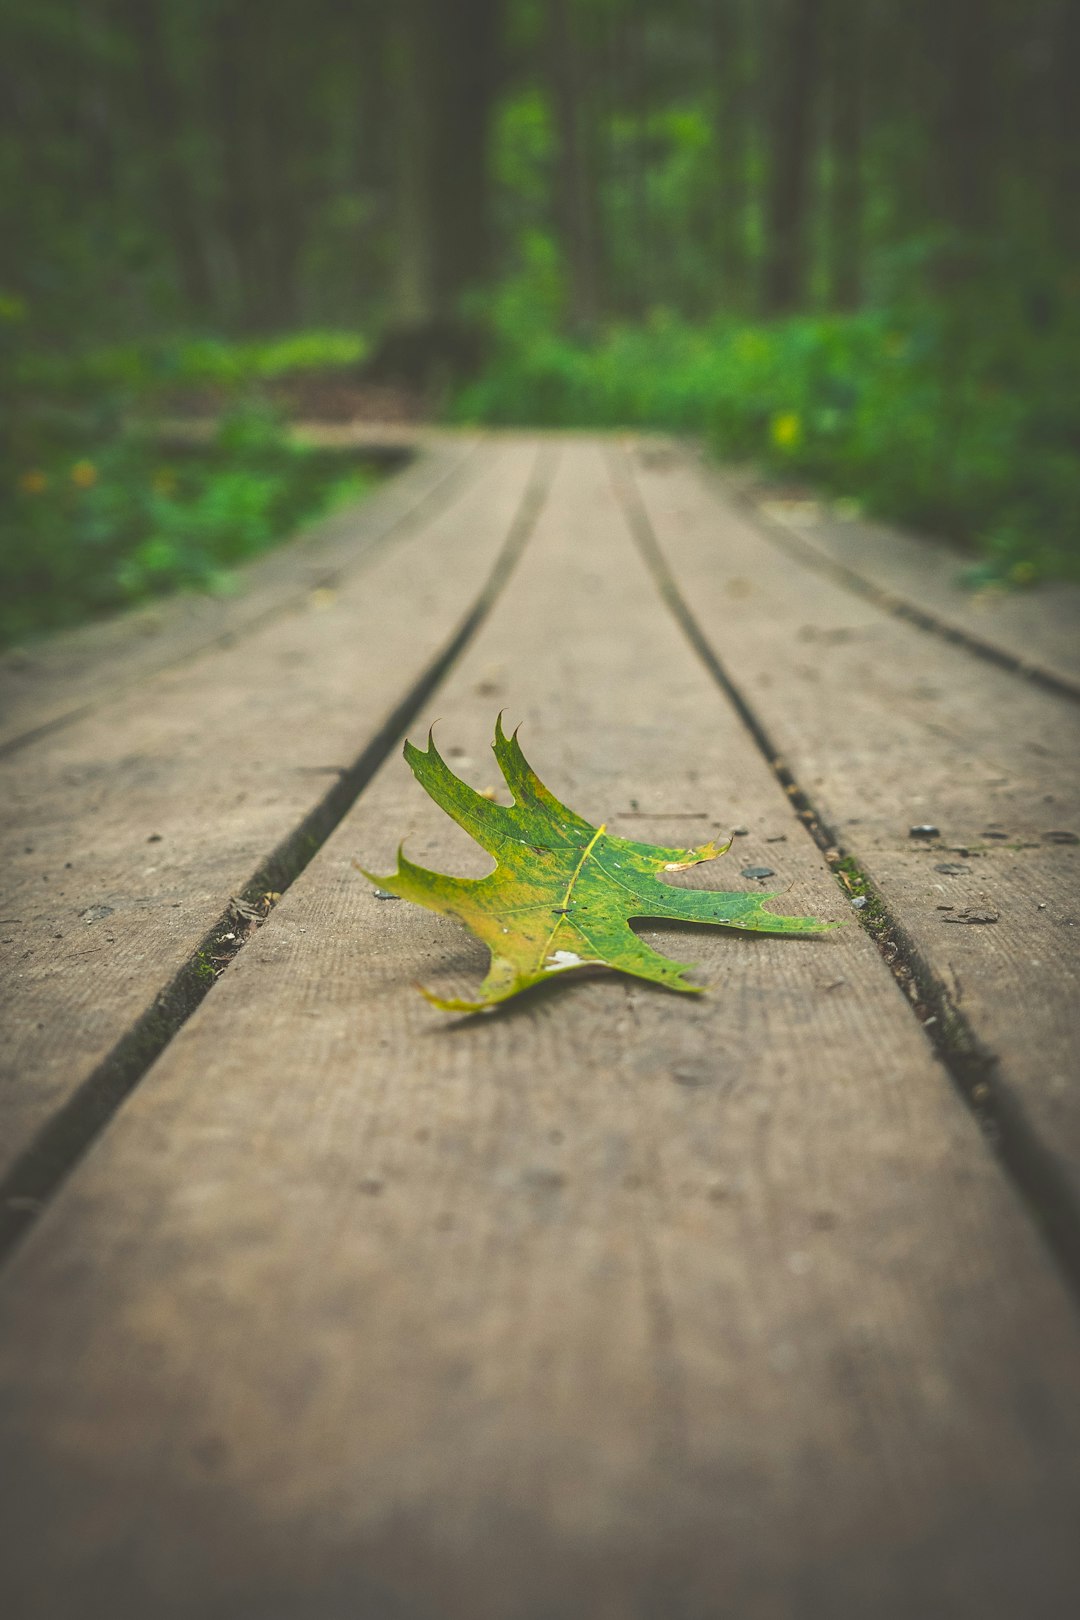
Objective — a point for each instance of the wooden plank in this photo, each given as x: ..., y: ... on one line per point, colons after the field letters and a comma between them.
x: 51, y: 681
x: 885, y: 727
x: 1038, y: 628
x: 128, y: 831
x: 614, y: 1305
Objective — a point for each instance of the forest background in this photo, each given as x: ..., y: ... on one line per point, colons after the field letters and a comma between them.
x: 839, y: 238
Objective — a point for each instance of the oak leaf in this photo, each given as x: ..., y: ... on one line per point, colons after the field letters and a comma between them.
x: 563, y: 891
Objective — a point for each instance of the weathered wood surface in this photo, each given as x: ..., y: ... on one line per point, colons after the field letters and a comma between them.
x: 127, y: 831
x: 886, y: 727
x: 63, y: 677
x: 614, y: 1305
x: 1038, y: 627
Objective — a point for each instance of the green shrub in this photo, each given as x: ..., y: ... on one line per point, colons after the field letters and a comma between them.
x: 962, y: 421
x: 89, y: 523
x: 145, y: 368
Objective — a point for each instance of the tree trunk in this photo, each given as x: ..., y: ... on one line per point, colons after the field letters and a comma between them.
x: 790, y: 156
x: 639, y: 93
x: 464, y: 39
x: 967, y: 122
x: 288, y: 186
x: 575, y: 209
x: 237, y: 131
x: 1066, y: 159
x: 177, y: 203
x: 414, y: 269
x: 730, y: 130
x: 846, y: 75
x: 443, y: 66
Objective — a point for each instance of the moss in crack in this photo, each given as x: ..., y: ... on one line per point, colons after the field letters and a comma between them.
x: 935, y: 1005
x: 857, y: 886
x: 896, y: 950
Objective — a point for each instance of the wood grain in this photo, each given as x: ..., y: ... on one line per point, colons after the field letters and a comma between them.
x: 887, y: 727
x: 127, y: 831
x: 1039, y: 627
x: 614, y: 1305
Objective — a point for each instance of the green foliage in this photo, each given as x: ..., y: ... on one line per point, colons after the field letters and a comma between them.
x: 563, y: 892
x: 164, y: 364
x: 94, y: 515
x: 961, y: 418
x: 641, y: 175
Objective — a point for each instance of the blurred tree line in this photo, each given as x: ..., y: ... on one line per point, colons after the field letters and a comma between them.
x: 257, y: 165
x: 835, y: 237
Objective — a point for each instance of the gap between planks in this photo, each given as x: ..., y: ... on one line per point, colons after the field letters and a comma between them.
x: 813, y: 554
x: 681, y: 1307
x: 38, y: 1173
x: 1043, y: 1186
x: 217, y: 762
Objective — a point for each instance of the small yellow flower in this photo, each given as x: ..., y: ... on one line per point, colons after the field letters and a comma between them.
x: 84, y: 475
x: 786, y: 430
x: 33, y: 482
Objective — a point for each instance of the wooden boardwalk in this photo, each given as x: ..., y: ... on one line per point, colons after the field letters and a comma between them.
x: 319, y: 1305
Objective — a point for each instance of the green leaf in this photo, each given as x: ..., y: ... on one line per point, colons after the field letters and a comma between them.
x: 562, y: 892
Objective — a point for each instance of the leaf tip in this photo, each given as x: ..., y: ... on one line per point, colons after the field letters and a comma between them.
x: 411, y: 751
x: 502, y: 741
x: 453, y: 1003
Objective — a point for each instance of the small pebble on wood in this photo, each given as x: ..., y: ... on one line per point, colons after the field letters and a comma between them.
x: 757, y: 872
x: 859, y: 902
x: 925, y: 830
